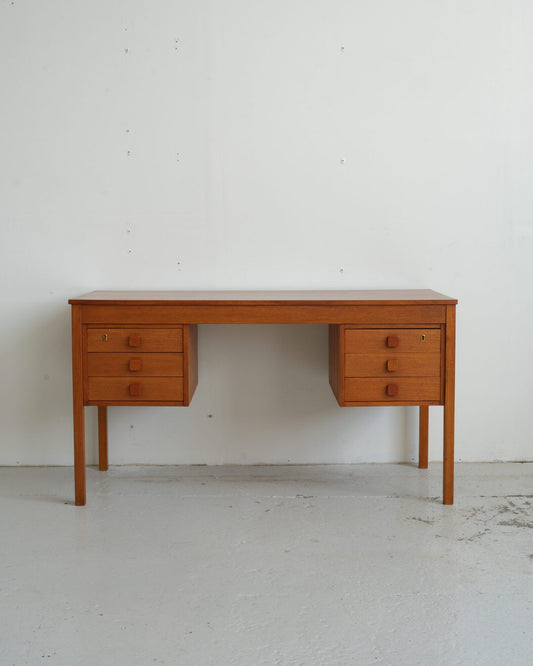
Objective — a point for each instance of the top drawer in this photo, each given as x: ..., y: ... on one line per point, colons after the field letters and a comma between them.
x: 411, y: 340
x: 140, y: 339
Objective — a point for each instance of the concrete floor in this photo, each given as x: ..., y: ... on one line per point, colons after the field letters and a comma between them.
x: 253, y: 566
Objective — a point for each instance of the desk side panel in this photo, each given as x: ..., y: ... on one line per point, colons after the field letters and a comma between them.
x: 336, y: 361
x: 449, y: 407
x: 191, y: 362
x: 78, y: 402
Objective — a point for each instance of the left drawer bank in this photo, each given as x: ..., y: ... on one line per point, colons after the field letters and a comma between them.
x: 139, y: 365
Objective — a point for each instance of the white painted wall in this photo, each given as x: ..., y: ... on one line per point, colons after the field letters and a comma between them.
x: 253, y: 144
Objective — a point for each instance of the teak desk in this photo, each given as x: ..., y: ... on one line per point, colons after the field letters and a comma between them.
x: 385, y: 348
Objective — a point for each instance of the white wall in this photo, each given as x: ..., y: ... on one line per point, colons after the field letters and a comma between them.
x: 188, y: 144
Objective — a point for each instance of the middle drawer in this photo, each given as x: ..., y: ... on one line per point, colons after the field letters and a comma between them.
x: 102, y: 364
x: 388, y: 365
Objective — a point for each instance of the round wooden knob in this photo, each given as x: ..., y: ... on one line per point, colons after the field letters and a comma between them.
x: 392, y: 390
x: 393, y: 341
x: 135, y: 364
x: 135, y: 389
x: 392, y: 365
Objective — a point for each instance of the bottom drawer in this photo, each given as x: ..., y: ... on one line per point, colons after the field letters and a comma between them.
x: 371, y: 389
x: 142, y: 389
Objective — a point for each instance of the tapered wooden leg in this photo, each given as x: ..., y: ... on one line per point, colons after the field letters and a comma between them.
x: 449, y: 407
x: 448, y: 454
x: 78, y: 408
x: 102, y: 438
x: 423, y: 428
x: 79, y: 456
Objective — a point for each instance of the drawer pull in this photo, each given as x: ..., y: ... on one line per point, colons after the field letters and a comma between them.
x: 136, y: 389
x: 392, y: 365
x: 392, y: 390
x: 134, y: 340
x: 393, y: 341
x: 135, y: 364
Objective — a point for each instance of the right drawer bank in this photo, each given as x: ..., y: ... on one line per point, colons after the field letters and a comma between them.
x: 384, y: 365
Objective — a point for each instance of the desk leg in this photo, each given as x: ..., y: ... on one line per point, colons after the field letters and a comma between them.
x: 449, y: 407
x: 448, y: 454
x: 102, y: 438
x: 78, y: 408
x: 423, y: 428
x: 79, y: 456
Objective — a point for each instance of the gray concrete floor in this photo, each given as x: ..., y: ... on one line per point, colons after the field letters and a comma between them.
x: 253, y: 566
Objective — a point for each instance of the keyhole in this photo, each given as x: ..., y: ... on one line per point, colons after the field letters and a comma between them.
x: 104, y: 337
x: 423, y: 337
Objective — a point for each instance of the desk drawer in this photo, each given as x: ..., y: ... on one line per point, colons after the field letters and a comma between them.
x: 121, y: 364
x: 397, y: 340
x: 130, y: 389
x: 373, y: 389
x: 392, y: 365
x: 135, y: 339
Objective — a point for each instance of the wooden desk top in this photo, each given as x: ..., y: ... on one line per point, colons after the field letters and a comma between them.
x: 330, y: 297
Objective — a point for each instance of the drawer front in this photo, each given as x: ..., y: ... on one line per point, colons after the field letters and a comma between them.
x: 117, y: 364
x: 135, y: 339
x: 411, y: 340
x: 392, y: 365
x: 392, y: 390
x: 130, y: 389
